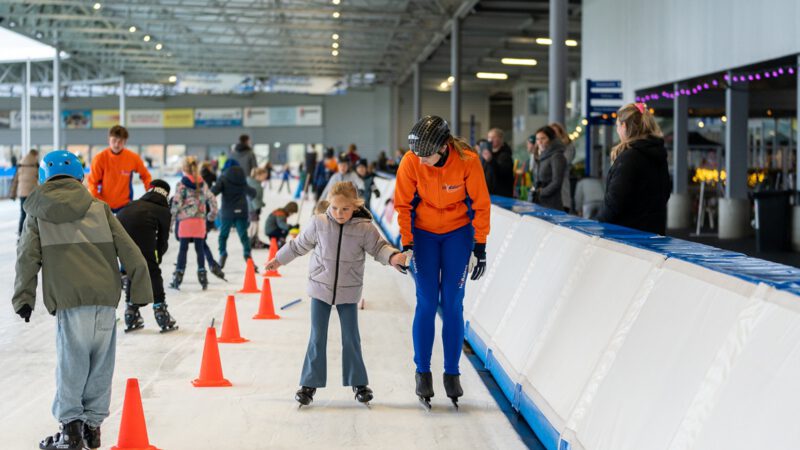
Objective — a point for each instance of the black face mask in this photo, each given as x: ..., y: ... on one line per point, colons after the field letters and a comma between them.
x: 443, y: 158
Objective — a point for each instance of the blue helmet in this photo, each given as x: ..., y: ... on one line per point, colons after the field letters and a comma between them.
x: 60, y: 162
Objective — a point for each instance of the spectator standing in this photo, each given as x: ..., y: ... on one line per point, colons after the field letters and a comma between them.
x: 25, y: 180
x: 499, y: 165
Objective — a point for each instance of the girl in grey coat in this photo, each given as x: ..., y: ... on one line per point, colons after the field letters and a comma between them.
x: 339, y: 239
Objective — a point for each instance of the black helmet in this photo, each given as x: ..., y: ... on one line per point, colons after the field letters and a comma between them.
x: 428, y: 135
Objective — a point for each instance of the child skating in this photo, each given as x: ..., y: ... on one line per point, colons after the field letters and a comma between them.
x: 77, y: 243
x: 339, y: 238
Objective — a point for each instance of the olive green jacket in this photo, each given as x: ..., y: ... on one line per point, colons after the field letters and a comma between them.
x: 75, y: 240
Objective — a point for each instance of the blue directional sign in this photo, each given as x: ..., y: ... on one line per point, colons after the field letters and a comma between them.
x: 594, y: 113
x: 608, y: 84
x: 607, y: 95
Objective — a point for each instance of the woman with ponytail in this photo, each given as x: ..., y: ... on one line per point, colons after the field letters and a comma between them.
x: 638, y: 184
x: 443, y: 212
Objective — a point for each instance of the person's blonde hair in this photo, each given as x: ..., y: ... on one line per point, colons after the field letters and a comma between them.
x: 639, y: 124
x: 461, y: 146
x: 321, y: 207
x: 561, y: 132
x: 191, y: 167
x: 347, y: 190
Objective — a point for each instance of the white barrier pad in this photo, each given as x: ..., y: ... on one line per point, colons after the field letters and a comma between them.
x: 586, y: 320
x: 535, y: 294
x: 656, y: 372
x: 501, y: 229
x: 759, y: 403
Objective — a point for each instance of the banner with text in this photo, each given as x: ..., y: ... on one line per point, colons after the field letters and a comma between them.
x: 283, y: 116
x: 217, y: 117
x: 105, y: 118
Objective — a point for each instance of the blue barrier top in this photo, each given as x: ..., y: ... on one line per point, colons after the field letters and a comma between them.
x: 735, y: 264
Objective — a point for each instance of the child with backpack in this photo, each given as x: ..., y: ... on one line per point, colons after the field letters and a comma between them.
x: 339, y: 238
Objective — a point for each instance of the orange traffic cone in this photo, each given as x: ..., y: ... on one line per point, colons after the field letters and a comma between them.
x: 273, y: 250
x: 230, y: 326
x: 250, y: 286
x: 265, y: 309
x: 211, y: 367
x: 132, y: 429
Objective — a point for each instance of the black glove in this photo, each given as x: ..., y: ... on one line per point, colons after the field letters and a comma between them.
x: 377, y: 193
x: 480, y: 265
x: 25, y: 312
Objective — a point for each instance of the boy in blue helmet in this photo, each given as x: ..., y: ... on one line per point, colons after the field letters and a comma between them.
x: 70, y: 232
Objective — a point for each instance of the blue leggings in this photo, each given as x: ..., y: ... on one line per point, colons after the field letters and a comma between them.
x: 440, y: 269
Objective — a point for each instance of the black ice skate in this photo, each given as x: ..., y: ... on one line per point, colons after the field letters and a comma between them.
x: 424, y: 389
x: 363, y: 394
x: 216, y: 270
x: 452, y: 386
x: 202, y: 277
x: 177, y: 279
x: 69, y: 438
x: 222, y: 260
x: 163, y: 318
x: 92, y: 436
x: 133, y: 320
x: 126, y: 287
x: 305, y: 395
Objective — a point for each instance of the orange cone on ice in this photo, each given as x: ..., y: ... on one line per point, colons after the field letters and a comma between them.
x: 132, y: 429
x: 250, y: 286
x: 230, y: 326
x: 273, y: 250
x: 266, y: 310
x: 211, y: 367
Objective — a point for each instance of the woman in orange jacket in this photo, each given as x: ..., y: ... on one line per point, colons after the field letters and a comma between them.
x: 443, y: 211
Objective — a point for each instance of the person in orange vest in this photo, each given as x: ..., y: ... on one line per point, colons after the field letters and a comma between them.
x: 443, y: 211
x: 111, y: 175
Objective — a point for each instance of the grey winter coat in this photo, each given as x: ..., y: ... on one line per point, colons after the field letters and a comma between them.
x: 336, y: 270
x: 75, y: 240
x: 244, y: 155
x: 551, y: 175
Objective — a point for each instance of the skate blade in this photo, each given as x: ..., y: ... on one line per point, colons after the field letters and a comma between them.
x: 129, y: 330
x: 426, y: 403
x: 167, y: 330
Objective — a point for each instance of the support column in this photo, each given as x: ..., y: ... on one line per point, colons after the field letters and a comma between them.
x: 416, y: 88
x: 395, y: 141
x: 557, y: 79
x: 57, y: 100
x: 23, y: 117
x: 122, y: 99
x: 680, y: 202
x: 734, y: 209
x: 455, y: 72
x: 27, y: 122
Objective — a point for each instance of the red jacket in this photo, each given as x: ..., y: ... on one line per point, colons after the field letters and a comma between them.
x: 442, y: 193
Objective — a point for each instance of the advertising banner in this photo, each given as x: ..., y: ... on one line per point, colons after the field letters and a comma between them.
x: 145, y: 118
x: 76, y: 119
x: 105, y: 118
x: 39, y: 119
x: 256, y: 117
x: 182, y: 118
x: 217, y: 117
x: 283, y: 116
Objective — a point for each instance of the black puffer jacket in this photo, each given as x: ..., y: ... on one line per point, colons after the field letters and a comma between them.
x: 232, y: 184
x: 638, y: 187
x: 147, y: 222
x: 500, y: 172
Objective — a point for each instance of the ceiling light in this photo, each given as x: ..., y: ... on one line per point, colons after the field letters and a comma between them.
x: 571, y: 43
x: 700, y: 124
x: 451, y: 79
x: 335, y: 37
x: 335, y: 53
x: 132, y: 29
x: 97, y: 6
x: 444, y: 85
x: 585, y: 122
x: 335, y: 45
x: 336, y: 14
x: 578, y: 129
x: 146, y: 38
x: 518, y: 61
x: 723, y: 119
x: 173, y: 78
x: 159, y: 46
x: 39, y: 35
x: 492, y: 76
x: 544, y: 41
x: 335, y: 2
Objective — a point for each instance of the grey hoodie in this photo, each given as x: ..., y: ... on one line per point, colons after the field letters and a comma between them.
x: 76, y: 241
x: 336, y: 269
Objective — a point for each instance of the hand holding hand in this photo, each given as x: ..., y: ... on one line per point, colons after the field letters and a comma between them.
x: 272, y: 265
x: 398, y: 261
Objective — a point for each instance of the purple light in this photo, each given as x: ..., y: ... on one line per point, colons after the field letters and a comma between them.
x: 726, y: 77
x: 758, y: 76
x: 714, y: 82
x: 749, y: 78
x: 705, y: 85
x: 780, y: 71
x: 694, y: 90
x: 766, y: 74
x: 638, y: 99
x: 683, y: 91
x: 735, y: 78
x: 774, y: 73
x: 791, y: 71
x: 655, y: 96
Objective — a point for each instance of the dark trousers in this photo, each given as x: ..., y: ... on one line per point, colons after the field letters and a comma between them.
x: 241, y: 230
x: 184, y: 249
x: 22, y: 214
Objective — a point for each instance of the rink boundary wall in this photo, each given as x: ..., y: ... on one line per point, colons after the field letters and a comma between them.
x: 690, y: 342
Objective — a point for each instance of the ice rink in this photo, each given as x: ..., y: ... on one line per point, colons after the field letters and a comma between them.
x: 259, y: 411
